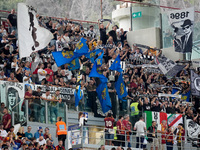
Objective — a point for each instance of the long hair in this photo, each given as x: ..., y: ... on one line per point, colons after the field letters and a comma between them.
x: 79, y: 115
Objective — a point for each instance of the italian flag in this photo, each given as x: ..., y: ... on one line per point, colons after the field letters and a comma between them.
x: 172, y: 119
x: 155, y: 116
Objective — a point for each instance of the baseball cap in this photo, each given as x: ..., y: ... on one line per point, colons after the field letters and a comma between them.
x: 39, y: 128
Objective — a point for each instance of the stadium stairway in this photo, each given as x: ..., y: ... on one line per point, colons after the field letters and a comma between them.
x: 72, y: 120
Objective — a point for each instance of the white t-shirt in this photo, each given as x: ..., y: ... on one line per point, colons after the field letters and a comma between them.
x: 4, y: 32
x: 45, y: 96
x: 140, y: 125
x: 41, y: 142
x: 28, y: 81
x: 3, y: 133
x: 41, y: 76
x: 69, y: 77
x: 12, y: 65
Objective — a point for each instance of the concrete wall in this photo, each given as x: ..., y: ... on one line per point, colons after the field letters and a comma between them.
x: 170, y: 53
x: 149, y: 36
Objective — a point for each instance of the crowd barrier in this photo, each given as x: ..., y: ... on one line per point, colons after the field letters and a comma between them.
x: 94, y: 137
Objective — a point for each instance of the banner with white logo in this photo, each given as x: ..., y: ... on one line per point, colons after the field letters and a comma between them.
x: 182, y: 22
x: 12, y: 95
x: 32, y: 37
x: 193, y: 129
x: 168, y: 67
x: 195, y: 83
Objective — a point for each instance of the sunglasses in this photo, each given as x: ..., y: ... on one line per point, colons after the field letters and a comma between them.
x: 186, y: 27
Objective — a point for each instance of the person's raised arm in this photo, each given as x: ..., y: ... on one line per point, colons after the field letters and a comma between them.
x: 108, y: 25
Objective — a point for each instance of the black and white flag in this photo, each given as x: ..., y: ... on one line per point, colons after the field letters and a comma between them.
x: 195, y: 83
x: 32, y: 37
x: 182, y: 22
x: 168, y: 67
x: 193, y: 129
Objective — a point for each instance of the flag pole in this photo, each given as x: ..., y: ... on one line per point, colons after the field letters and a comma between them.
x: 101, y: 9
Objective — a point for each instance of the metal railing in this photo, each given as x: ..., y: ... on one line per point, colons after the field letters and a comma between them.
x: 96, y: 136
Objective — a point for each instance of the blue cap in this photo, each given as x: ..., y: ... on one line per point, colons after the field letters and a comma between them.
x: 39, y: 128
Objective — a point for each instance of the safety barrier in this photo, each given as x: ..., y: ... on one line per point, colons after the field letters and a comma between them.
x: 94, y: 137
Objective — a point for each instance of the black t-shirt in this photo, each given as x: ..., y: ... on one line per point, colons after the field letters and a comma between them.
x: 103, y: 36
x: 14, y: 40
x: 55, y: 35
x: 37, y: 100
x: 13, y: 19
x: 123, y: 37
x: 19, y: 77
x: 146, y: 107
x: 20, y: 135
x: 114, y: 35
x: 156, y: 108
x: 170, y: 110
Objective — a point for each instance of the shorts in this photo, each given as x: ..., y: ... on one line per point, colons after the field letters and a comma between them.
x: 109, y: 136
x: 155, y: 142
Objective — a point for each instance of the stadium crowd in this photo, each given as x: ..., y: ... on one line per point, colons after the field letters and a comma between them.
x: 143, y: 85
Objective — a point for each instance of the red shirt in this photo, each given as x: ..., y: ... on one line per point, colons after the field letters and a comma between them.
x: 120, y: 126
x: 50, y: 72
x: 126, y: 124
x: 169, y: 137
x: 29, y: 101
x: 6, y: 117
x: 60, y: 148
x: 109, y: 122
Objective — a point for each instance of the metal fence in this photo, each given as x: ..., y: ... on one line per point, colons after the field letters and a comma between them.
x: 94, y: 137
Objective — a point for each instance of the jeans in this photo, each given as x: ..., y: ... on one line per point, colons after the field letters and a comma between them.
x: 42, y: 114
x: 121, y: 139
x: 169, y: 145
x: 53, y: 110
x: 36, y: 108
x: 139, y: 141
x: 84, y: 133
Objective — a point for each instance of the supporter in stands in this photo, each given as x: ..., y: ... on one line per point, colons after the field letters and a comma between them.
x: 38, y: 133
x: 41, y: 72
x: 21, y: 133
x: 140, y: 128
x: 152, y: 136
x: 60, y: 145
x: 46, y: 134
x: 120, y: 132
x: 82, y: 123
x: 12, y: 78
x: 128, y: 127
x: 49, y: 145
x: 109, y: 132
x: 103, y: 36
x: 162, y: 129
x: 6, y: 120
x: 2, y: 76
x: 3, y: 133
x: 180, y: 137
x: 41, y: 140
x: 28, y: 134
x: 3, y: 31
x: 12, y: 21
x: 37, y: 103
x: 45, y: 97
x: 170, y: 139
x: 91, y: 32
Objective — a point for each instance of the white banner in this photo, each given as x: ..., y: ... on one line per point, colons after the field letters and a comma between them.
x: 182, y: 22
x: 31, y: 36
x: 12, y: 94
x: 193, y: 129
